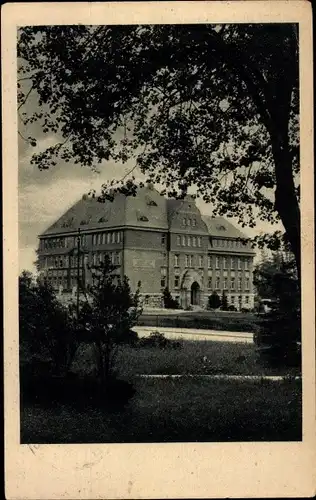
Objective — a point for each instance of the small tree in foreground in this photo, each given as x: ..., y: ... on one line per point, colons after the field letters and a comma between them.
x: 214, y: 301
x: 106, y: 320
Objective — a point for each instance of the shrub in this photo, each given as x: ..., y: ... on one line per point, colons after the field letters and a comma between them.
x: 214, y: 301
x: 168, y: 301
x: 47, y: 332
x: 157, y: 339
x: 231, y: 308
x: 224, y: 302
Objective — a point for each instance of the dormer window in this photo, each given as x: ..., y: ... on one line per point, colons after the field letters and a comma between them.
x: 151, y: 203
x: 221, y: 228
x: 102, y: 219
x: 143, y: 218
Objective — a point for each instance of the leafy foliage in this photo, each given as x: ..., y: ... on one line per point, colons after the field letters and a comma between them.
x: 224, y: 302
x: 214, y: 301
x: 279, y: 332
x: 168, y: 301
x: 46, y: 330
x: 210, y: 106
x: 157, y: 339
x: 107, y: 317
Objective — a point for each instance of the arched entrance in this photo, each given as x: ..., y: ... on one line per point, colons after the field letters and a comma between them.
x: 195, y: 294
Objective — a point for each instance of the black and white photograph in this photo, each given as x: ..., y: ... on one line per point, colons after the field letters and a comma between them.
x: 159, y: 222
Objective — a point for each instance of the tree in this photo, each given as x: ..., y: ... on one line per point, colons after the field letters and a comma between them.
x: 45, y: 328
x: 168, y: 301
x: 267, y: 271
x: 224, y: 302
x: 214, y: 301
x: 279, y: 331
x: 107, y: 318
x: 214, y: 106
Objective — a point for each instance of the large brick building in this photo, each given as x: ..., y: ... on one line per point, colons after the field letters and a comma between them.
x: 153, y: 240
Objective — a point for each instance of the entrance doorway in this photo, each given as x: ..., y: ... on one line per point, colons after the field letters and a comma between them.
x: 195, y: 294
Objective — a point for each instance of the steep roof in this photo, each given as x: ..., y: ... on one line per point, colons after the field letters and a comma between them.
x: 220, y: 227
x: 147, y: 209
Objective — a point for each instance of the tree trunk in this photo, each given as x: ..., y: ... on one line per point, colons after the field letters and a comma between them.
x: 286, y: 202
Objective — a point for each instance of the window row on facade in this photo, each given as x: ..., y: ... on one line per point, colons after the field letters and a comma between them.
x: 189, y: 241
x: 213, y: 261
x: 102, y: 238
x: 189, y: 221
x: 71, y: 261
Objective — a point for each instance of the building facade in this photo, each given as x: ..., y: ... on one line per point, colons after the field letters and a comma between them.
x: 156, y: 241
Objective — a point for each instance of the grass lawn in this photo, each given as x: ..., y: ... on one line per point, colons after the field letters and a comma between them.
x: 176, y: 410
x: 222, y: 358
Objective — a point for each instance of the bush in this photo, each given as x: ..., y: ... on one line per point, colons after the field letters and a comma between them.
x: 157, y: 339
x: 224, y: 302
x: 214, y: 301
x: 231, y: 308
x: 168, y: 301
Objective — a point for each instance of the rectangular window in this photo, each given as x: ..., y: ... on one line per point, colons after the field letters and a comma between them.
x: 217, y: 283
x: 191, y: 260
x: 184, y: 221
x: 189, y: 241
x: 113, y: 237
x: 201, y: 261
x: 108, y: 238
x: 178, y: 241
x: 225, y: 283
x: 217, y: 262
x: 209, y: 283
x: 199, y: 241
x: 239, y: 284
x: 209, y: 261
x: 194, y: 241
x: 232, y: 263
x: 176, y: 281
x: 247, y: 264
x: 176, y: 260
x: 239, y: 263
x: 163, y: 239
x: 183, y: 241
x: 187, y: 261
x: 193, y: 222
x: 118, y: 237
x: 163, y: 282
x: 247, y: 299
x: 247, y: 284
x: 189, y: 222
x: 224, y: 263
x: 232, y: 283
